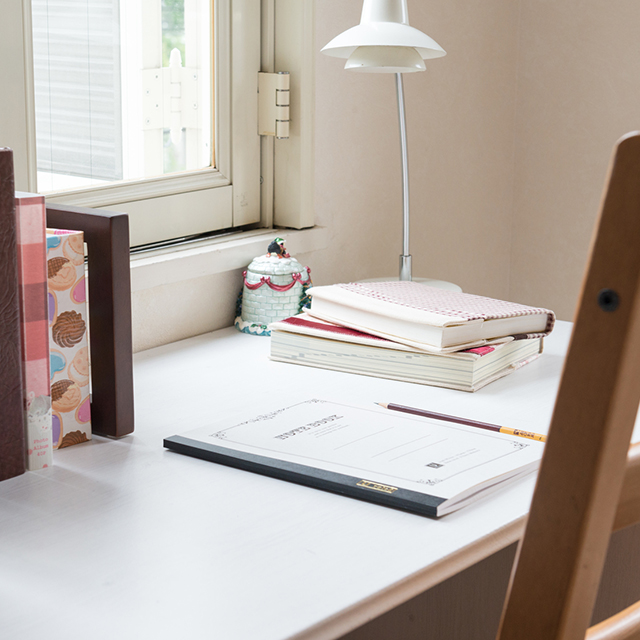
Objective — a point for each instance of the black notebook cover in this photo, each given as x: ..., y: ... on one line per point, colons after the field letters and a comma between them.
x: 352, y: 486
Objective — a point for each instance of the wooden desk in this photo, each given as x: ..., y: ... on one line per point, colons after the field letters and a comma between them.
x: 123, y: 539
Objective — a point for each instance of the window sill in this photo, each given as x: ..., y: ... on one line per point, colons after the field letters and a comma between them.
x: 218, y: 255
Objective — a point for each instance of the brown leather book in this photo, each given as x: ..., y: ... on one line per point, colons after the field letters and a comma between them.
x: 12, y: 450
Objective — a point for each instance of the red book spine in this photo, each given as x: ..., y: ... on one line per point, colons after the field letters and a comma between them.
x: 12, y: 449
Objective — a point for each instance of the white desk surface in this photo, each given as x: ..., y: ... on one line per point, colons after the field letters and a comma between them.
x: 124, y: 539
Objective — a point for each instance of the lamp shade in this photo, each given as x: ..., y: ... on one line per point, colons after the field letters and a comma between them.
x: 383, y: 24
x: 385, y: 60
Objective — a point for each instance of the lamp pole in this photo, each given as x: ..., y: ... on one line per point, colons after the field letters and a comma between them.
x: 405, y: 257
x: 385, y: 42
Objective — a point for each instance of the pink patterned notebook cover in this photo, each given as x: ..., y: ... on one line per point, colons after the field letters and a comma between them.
x: 32, y: 274
x: 444, y: 302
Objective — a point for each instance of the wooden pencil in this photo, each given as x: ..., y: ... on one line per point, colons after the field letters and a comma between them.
x: 465, y: 421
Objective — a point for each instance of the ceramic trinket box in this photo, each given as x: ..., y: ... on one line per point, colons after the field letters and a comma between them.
x: 274, y: 288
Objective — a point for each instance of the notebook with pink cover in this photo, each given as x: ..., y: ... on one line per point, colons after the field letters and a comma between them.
x: 32, y: 278
x: 436, y: 320
x: 308, y: 325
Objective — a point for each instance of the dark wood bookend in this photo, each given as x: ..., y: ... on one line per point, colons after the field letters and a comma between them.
x: 110, y: 340
x: 12, y: 448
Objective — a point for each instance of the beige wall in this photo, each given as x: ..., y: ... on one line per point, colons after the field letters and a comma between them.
x: 460, y: 121
x: 578, y: 92
x: 510, y: 137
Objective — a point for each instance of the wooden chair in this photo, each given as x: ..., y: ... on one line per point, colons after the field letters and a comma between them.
x: 589, y: 480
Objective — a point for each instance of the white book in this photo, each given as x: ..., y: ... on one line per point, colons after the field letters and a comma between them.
x: 312, y: 342
x: 423, y: 465
x: 429, y: 318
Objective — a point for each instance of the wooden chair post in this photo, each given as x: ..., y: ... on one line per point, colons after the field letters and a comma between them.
x: 561, y: 556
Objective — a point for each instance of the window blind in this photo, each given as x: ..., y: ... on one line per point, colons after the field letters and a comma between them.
x: 76, y: 47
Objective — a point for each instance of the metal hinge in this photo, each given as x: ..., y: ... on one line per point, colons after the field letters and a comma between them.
x: 170, y: 97
x: 273, y: 104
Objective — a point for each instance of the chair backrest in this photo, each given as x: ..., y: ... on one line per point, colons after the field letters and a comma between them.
x: 582, y: 476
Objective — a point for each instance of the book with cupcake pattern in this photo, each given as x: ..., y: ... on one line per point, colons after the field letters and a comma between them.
x: 68, y: 339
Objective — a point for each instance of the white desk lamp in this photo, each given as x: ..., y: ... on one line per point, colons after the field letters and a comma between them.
x: 384, y: 42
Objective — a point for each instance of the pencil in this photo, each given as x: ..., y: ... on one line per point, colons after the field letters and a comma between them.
x: 469, y: 423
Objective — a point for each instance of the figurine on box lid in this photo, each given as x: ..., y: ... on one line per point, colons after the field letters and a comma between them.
x: 275, y: 287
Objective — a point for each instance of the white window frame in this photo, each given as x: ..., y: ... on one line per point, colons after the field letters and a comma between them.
x: 230, y: 195
x: 216, y: 198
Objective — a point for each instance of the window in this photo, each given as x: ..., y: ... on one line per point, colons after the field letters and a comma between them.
x: 78, y: 106
x: 102, y: 129
x: 113, y: 100
x: 182, y: 187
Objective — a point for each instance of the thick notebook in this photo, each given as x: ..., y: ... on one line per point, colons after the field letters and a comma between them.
x: 421, y: 465
x: 426, y: 317
x: 312, y: 342
x: 32, y: 278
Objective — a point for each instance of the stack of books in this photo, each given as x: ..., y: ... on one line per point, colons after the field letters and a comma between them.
x: 412, y: 332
